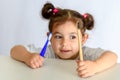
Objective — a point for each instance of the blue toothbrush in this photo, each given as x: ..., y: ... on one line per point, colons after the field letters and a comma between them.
x: 42, y: 53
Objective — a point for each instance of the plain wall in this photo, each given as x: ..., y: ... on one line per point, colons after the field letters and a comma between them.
x: 21, y: 22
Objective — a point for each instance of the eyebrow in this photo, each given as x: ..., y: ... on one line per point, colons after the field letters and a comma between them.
x: 73, y: 33
x: 60, y: 33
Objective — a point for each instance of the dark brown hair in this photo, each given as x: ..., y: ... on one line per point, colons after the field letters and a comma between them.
x: 64, y: 15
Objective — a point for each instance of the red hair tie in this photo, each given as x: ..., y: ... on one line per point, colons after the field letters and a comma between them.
x: 84, y: 15
x: 55, y: 10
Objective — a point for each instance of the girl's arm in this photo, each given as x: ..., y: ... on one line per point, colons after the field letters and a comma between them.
x: 106, y: 60
x: 20, y: 53
x: 89, y: 68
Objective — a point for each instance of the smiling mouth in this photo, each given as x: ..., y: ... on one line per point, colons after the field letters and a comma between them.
x: 65, y: 51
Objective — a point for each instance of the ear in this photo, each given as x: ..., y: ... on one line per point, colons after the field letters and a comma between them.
x: 85, y: 37
x: 47, y: 34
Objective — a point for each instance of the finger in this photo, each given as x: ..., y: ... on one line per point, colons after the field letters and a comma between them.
x: 86, y: 75
x: 35, y: 63
x: 40, y: 62
x: 42, y: 59
x: 83, y: 73
x: 32, y: 65
x: 81, y: 63
x: 82, y: 68
x: 77, y: 61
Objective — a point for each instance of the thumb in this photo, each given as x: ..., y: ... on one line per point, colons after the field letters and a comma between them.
x: 77, y: 61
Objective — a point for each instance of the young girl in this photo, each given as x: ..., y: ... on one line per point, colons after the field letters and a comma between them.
x: 64, y: 43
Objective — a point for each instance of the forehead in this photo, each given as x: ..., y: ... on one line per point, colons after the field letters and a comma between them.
x: 68, y: 25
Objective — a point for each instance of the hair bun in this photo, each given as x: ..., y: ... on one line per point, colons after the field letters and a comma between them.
x: 47, y: 10
x: 88, y: 21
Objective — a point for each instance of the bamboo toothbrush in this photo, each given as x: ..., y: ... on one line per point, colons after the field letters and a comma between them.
x: 80, y: 41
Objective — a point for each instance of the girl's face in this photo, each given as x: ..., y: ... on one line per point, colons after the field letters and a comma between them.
x: 64, y: 40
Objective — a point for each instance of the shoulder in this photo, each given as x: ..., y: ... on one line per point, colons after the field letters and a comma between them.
x: 92, y: 50
x: 92, y: 53
x: 32, y: 48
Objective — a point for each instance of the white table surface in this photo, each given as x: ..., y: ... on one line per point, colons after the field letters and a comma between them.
x: 52, y: 69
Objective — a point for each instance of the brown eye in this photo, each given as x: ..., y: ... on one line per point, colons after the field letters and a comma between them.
x: 58, y: 37
x: 72, y: 37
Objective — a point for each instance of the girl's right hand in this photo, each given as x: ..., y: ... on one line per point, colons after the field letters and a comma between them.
x: 34, y: 60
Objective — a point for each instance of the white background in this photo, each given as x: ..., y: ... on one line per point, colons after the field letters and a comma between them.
x: 21, y: 22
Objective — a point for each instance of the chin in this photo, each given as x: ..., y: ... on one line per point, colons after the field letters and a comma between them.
x: 69, y: 57
x: 65, y: 58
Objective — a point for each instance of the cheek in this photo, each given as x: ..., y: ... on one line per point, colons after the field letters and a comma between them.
x: 55, y: 47
x: 75, y: 47
x: 54, y: 44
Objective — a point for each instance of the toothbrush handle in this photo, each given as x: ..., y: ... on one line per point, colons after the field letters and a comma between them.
x: 42, y: 53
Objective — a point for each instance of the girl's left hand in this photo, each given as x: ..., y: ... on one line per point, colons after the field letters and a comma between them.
x: 86, y: 68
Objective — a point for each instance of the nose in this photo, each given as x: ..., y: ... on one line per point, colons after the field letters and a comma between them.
x: 65, y: 42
